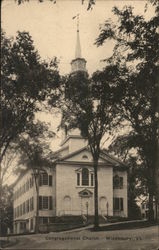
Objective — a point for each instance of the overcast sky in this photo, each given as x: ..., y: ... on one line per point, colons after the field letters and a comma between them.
x: 54, y: 31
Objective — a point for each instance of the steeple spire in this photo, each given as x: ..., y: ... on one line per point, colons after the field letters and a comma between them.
x: 79, y: 63
x: 78, y: 45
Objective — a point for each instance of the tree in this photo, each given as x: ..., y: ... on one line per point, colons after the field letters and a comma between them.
x: 6, y: 210
x: 122, y: 147
x: 136, y: 58
x: 26, y: 83
x: 90, y: 2
x: 87, y: 106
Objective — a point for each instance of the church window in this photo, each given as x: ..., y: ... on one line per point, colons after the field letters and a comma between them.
x: 85, y: 193
x: 85, y: 177
x: 118, y: 204
x: 50, y: 180
x: 117, y: 182
x: 45, y: 202
x: 78, y: 179
x: 45, y: 179
x: 85, y: 157
x: 31, y: 224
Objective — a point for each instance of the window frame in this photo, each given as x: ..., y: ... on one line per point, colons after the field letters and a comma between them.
x: 49, y: 200
x: 85, y: 177
x: 120, y: 201
x: 118, y: 182
x: 78, y: 179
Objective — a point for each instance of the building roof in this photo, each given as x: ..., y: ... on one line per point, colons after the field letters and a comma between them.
x: 104, y: 159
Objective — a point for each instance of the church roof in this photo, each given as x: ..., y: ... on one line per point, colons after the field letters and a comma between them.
x: 104, y: 159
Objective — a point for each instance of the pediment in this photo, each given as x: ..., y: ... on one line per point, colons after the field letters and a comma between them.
x: 85, y: 193
x: 83, y: 155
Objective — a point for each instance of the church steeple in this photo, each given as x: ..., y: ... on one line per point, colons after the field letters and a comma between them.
x: 79, y: 63
x: 78, y: 46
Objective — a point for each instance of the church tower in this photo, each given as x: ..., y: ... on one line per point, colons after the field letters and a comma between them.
x: 73, y: 138
x: 79, y: 63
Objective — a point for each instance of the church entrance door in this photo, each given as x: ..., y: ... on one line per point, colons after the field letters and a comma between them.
x: 85, y: 205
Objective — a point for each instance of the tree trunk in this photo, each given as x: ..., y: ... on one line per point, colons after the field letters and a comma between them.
x: 37, y: 204
x: 150, y: 205
x: 96, y: 217
x: 157, y: 189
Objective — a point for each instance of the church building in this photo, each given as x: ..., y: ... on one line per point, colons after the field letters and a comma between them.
x: 67, y: 188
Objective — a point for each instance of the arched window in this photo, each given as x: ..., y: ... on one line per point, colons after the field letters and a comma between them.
x: 85, y: 177
x: 85, y: 193
x: 84, y: 157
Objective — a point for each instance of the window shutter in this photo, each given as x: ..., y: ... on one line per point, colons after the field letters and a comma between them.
x: 40, y: 202
x: 50, y: 180
x: 78, y: 179
x: 92, y: 180
x: 28, y: 206
x: 50, y: 202
x: 121, y: 204
x: 121, y: 182
x: 116, y: 203
x: 33, y: 202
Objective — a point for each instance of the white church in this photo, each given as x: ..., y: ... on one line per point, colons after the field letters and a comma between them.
x: 67, y: 189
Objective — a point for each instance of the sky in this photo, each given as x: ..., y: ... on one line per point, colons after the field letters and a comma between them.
x: 54, y: 33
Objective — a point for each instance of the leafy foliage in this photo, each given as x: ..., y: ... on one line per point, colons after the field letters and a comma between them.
x: 136, y: 58
x: 90, y: 2
x: 6, y: 210
x: 26, y: 82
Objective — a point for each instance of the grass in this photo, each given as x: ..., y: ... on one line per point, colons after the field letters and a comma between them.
x: 125, y: 226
